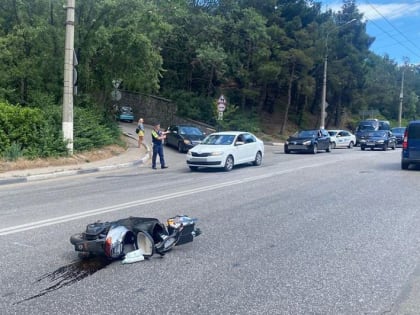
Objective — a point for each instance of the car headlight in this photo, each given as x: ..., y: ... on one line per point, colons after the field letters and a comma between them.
x: 380, y: 141
x: 217, y: 153
x: 362, y: 140
x: 186, y: 141
x: 307, y: 142
x: 189, y: 153
x: 286, y: 143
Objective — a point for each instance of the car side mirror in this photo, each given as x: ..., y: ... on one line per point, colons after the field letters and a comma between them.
x: 239, y: 143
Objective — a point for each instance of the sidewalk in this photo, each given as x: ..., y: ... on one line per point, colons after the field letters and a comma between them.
x: 131, y: 157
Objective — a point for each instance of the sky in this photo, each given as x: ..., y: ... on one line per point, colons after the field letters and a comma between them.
x: 394, y: 23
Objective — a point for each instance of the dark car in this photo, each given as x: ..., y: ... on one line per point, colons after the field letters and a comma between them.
x: 380, y: 139
x: 308, y: 141
x: 125, y: 113
x: 411, y: 145
x: 184, y: 137
x: 398, y: 132
x: 368, y: 125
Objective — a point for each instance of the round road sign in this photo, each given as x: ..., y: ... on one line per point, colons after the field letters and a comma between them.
x: 116, y: 95
x: 221, y: 107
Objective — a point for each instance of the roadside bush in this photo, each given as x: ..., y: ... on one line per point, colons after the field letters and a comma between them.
x: 13, y: 152
x: 93, y: 130
x: 191, y: 106
x: 205, y: 109
x: 34, y: 132
x: 19, y: 125
x: 233, y: 119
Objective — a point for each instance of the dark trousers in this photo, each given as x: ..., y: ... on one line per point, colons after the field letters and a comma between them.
x: 158, y: 150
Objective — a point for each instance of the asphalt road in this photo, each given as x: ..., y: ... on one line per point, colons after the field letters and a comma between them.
x: 332, y: 233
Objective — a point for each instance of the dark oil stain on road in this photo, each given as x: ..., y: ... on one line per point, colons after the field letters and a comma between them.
x: 69, y: 274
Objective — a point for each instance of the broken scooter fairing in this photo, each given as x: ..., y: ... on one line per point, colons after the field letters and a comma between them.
x: 135, y: 235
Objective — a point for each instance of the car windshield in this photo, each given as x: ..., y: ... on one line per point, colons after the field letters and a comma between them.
x: 377, y: 134
x: 306, y: 134
x: 219, y: 139
x: 190, y: 131
x: 126, y: 109
x: 398, y: 130
x: 366, y: 127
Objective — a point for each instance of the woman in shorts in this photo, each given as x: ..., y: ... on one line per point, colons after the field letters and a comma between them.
x: 140, y: 128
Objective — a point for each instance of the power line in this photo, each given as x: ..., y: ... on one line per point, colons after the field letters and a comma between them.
x: 395, y: 39
x: 396, y: 29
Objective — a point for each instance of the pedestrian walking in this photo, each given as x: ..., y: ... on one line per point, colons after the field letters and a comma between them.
x: 157, y: 140
x: 140, y: 128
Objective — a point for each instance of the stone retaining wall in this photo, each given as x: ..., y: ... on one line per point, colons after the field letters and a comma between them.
x: 157, y: 109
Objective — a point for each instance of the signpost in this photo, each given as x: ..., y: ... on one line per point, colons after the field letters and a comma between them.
x: 221, y: 106
x: 115, y: 94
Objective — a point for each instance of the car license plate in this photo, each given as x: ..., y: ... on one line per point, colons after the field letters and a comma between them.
x: 198, y: 159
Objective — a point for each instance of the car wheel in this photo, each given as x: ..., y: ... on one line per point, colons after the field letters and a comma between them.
x: 372, y: 148
x: 180, y: 147
x: 193, y: 168
x: 333, y: 145
x: 351, y: 144
x: 362, y: 148
x: 385, y: 147
x: 394, y: 146
x: 404, y: 165
x: 229, y: 163
x: 315, y: 149
x: 328, y: 148
x: 286, y: 149
x: 258, y: 159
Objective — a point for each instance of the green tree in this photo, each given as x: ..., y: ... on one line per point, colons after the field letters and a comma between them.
x: 29, y: 43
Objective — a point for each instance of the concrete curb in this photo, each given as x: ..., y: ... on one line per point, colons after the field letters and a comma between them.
x: 31, y: 178
x: 57, y: 174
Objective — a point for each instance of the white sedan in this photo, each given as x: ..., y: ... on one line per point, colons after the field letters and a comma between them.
x: 225, y: 150
x: 342, y: 138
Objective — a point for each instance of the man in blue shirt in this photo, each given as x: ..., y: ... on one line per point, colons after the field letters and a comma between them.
x: 157, y: 140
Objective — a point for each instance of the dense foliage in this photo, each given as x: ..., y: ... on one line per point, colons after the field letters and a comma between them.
x: 35, y: 132
x: 266, y: 57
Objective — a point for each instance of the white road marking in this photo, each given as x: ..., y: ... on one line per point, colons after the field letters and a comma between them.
x: 89, y: 213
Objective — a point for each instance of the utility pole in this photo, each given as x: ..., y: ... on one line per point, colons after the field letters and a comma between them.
x: 324, y: 88
x: 68, y: 77
x: 401, y: 98
x: 324, y: 83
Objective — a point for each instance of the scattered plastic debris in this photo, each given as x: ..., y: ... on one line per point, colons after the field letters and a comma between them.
x: 134, y: 256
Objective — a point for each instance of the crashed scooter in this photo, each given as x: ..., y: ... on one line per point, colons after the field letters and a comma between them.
x: 134, y: 236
